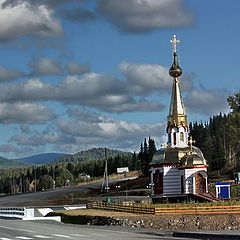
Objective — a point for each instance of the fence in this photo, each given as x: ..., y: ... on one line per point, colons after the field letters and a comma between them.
x: 149, y: 209
x: 133, y: 208
x: 198, y: 210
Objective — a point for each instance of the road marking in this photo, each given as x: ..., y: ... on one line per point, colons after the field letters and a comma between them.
x: 18, y: 229
x: 5, y: 239
x: 99, y: 235
x: 22, y: 237
x: 41, y: 236
x: 116, y: 232
x: 78, y: 235
x: 59, y: 235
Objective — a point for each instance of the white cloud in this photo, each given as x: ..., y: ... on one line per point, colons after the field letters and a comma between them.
x: 146, y: 78
x: 93, y: 90
x: 7, y: 74
x: 41, y: 139
x: 206, y: 102
x: 113, y: 130
x: 22, y: 18
x: 45, y: 66
x: 25, y: 113
x: 138, y: 16
x: 75, y: 68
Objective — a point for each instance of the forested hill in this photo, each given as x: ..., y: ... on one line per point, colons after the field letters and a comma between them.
x: 92, y: 154
x: 9, y: 164
x: 40, y: 159
x: 219, y: 138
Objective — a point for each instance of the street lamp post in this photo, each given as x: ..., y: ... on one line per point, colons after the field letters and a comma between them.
x: 118, y: 188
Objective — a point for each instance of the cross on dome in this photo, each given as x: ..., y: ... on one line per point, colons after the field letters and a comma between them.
x: 191, y: 141
x: 174, y: 42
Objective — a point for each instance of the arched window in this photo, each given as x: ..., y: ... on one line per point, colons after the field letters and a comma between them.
x: 174, y: 138
x: 181, y: 136
x: 169, y: 138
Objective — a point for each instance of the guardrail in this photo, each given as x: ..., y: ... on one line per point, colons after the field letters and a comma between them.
x: 17, y: 212
x: 149, y: 209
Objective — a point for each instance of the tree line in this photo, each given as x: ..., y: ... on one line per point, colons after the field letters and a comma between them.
x: 60, y: 174
x: 219, y: 138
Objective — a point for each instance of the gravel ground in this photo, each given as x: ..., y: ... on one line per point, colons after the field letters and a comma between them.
x: 164, y: 222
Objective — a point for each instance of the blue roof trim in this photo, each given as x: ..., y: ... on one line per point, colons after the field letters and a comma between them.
x: 222, y: 183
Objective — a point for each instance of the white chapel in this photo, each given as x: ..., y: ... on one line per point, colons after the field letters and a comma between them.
x: 179, y: 169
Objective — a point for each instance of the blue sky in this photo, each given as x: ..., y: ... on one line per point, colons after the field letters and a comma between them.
x: 77, y: 74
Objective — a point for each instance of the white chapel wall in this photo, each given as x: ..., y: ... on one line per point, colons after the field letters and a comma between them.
x: 171, y: 180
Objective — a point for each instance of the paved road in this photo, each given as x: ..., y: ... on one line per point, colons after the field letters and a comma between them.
x: 43, y: 198
x: 17, y: 229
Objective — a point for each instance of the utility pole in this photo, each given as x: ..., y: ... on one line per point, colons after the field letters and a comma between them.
x: 105, y: 175
x: 35, y: 179
x: 53, y: 173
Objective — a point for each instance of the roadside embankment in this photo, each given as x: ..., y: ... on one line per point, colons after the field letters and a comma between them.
x: 200, y: 222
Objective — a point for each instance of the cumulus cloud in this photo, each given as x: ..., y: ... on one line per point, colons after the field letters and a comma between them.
x: 45, y: 66
x: 139, y: 16
x: 206, y: 102
x: 25, y: 113
x: 94, y: 130
x: 27, y: 19
x: 25, y: 129
x: 145, y: 78
x: 7, y: 74
x: 17, y: 151
x: 75, y: 68
x: 93, y: 90
x: 42, y: 139
x: 98, y: 126
x: 84, y: 115
x: 149, y: 78
x: 109, y: 131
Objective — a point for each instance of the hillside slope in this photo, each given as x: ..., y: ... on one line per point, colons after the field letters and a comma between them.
x: 41, y: 159
x: 10, y: 163
x: 92, y: 154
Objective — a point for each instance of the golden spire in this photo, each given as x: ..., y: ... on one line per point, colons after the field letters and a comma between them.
x: 177, y: 116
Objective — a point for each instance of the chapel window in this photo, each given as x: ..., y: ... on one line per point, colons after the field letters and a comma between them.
x: 174, y: 138
x: 181, y: 137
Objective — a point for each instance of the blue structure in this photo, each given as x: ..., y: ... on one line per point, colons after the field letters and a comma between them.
x: 222, y: 189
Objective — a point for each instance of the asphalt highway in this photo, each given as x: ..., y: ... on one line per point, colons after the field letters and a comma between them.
x: 43, y: 198
x: 17, y: 229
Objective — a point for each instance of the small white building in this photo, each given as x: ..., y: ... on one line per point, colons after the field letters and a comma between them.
x: 122, y: 170
x: 178, y: 170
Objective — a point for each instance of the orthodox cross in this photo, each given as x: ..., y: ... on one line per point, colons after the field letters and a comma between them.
x: 191, y: 141
x: 174, y: 42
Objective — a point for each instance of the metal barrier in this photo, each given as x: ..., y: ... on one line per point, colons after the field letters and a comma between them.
x: 17, y: 212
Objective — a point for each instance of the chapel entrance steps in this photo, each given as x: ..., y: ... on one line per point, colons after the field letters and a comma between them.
x: 206, y: 197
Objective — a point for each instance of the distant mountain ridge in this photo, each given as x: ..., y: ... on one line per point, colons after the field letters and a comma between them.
x: 48, y: 158
x: 41, y: 159
x: 11, y: 163
x: 92, y: 154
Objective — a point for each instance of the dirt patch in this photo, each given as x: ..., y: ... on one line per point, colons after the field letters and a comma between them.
x: 164, y: 222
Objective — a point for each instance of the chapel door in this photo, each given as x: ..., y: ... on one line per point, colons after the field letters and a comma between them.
x: 200, y: 184
x: 158, y: 182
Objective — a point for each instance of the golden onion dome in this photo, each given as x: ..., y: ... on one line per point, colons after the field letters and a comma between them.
x: 184, y: 156
x: 175, y: 70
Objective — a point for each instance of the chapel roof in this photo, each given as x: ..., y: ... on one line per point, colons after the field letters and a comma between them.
x: 186, y: 156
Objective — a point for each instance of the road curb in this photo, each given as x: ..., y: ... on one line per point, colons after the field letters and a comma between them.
x: 206, y: 235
